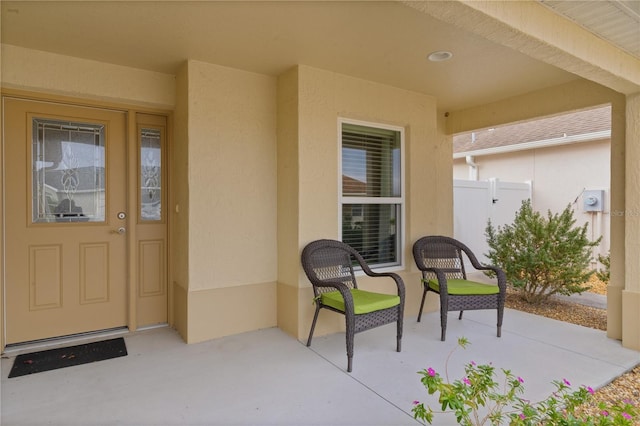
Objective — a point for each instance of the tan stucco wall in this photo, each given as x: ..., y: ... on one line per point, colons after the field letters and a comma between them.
x: 218, y: 100
x: 559, y: 174
x: 231, y: 212
x: 288, y: 199
x: 618, y: 200
x: 631, y: 293
x: 45, y: 72
x: 311, y: 102
x: 223, y: 171
x: 1, y: 215
x: 578, y: 94
x: 231, y: 310
x: 179, y: 206
x: 232, y: 177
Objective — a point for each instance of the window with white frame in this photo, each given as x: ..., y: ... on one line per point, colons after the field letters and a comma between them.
x: 372, y: 193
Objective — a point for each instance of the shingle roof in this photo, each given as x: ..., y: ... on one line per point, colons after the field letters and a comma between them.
x: 572, y: 124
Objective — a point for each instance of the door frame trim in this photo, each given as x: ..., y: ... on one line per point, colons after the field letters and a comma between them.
x: 131, y: 146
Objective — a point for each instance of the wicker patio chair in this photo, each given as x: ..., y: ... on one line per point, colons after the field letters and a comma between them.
x: 329, y: 265
x: 443, y: 271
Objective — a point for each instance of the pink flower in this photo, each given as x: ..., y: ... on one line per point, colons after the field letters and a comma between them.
x: 522, y: 416
x: 566, y: 382
x: 626, y: 415
x: 520, y: 379
x: 604, y: 413
x: 590, y: 390
x: 431, y: 372
x: 473, y: 363
x: 466, y: 381
x: 416, y: 402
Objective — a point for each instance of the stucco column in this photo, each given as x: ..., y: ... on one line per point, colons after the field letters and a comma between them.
x: 617, y: 210
x: 631, y: 291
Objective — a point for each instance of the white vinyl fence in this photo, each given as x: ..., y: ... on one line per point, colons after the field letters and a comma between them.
x: 477, y: 202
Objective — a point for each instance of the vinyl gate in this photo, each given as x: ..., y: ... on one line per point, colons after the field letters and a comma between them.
x: 477, y: 202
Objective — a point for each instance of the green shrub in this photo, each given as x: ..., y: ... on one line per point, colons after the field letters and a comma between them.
x: 604, y: 275
x: 542, y: 256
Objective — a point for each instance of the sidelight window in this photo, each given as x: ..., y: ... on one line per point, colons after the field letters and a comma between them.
x: 150, y: 174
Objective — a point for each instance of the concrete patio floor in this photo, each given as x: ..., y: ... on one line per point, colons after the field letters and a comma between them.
x: 266, y: 377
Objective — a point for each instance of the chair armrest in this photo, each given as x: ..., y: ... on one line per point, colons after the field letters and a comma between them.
x: 442, y: 279
x: 500, y: 275
x: 397, y: 278
x: 344, y: 291
x: 367, y: 270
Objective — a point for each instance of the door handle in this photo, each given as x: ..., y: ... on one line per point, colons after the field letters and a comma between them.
x: 121, y: 231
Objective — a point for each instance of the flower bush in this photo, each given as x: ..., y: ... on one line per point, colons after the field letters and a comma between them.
x: 478, y: 399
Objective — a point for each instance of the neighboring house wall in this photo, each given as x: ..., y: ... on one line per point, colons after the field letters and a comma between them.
x: 559, y: 175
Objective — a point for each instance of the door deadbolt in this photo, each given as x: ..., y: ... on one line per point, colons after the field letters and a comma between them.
x: 122, y: 215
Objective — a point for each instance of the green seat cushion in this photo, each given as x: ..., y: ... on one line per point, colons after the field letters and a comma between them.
x: 364, y: 302
x: 465, y: 287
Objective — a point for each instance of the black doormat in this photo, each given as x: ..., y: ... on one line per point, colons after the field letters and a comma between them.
x: 53, y: 359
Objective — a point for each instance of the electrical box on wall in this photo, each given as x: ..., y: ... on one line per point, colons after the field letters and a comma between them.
x: 593, y: 200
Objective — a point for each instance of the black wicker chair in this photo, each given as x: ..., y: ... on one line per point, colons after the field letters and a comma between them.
x: 441, y: 261
x: 329, y: 265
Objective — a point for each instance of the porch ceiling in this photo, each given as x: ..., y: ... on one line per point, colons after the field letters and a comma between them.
x: 383, y: 41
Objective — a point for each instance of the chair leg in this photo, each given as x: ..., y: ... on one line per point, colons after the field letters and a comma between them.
x: 350, y: 333
x: 444, y: 312
x: 424, y: 296
x: 313, y: 324
x: 500, y: 315
x: 460, y: 316
x: 399, y: 334
x: 443, y: 323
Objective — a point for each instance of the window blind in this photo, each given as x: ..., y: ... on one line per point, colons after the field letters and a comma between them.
x: 371, y: 192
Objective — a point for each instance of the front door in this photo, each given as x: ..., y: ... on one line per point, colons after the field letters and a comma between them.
x: 66, y: 219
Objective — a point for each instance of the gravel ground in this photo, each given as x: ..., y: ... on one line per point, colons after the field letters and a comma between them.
x: 623, y: 388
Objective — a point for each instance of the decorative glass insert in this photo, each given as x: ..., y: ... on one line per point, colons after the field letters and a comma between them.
x: 150, y: 174
x: 68, y: 171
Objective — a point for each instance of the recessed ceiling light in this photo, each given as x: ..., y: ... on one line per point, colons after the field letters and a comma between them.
x: 439, y: 56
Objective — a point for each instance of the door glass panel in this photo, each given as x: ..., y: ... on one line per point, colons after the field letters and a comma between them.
x: 68, y: 166
x: 150, y: 174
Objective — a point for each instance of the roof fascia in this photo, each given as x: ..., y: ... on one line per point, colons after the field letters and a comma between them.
x: 545, y: 143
